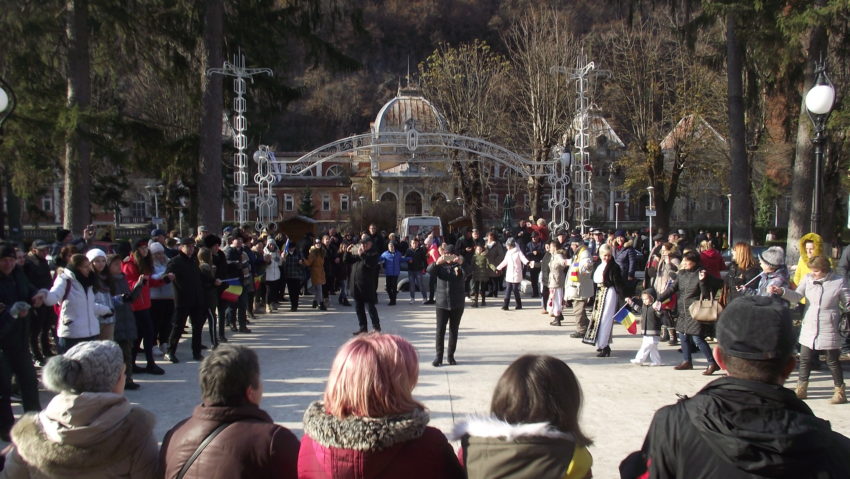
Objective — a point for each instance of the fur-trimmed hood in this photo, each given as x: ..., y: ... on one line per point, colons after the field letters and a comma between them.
x: 84, y: 435
x: 491, y: 427
x: 362, y: 433
x: 494, y: 448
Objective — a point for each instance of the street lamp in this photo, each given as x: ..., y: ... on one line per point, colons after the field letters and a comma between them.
x: 462, y: 205
x: 729, y: 221
x: 7, y: 101
x: 651, y: 211
x: 819, y: 101
x: 155, y: 190
x: 617, y: 215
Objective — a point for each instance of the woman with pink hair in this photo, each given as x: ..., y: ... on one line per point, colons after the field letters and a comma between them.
x: 368, y: 424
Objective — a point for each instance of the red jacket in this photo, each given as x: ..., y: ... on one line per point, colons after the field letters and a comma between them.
x: 398, y: 447
x: 712, y: 262
x: 131, y: 274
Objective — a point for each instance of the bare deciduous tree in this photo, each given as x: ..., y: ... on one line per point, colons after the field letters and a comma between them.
x: 658, y: 91
x: 543, y: 102
x: 467, y: 85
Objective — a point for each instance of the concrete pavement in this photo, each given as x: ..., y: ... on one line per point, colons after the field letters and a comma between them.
x: 296, y: 350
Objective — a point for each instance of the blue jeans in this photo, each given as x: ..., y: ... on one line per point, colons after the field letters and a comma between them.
x: 512, y: 288
x: 685, y: 341
x: 414, y: 281
x: 343, y: 294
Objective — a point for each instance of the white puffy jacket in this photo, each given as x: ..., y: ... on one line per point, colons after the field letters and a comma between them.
x: 79, y: 311
x: 512, y: 264
x: 273, y: 268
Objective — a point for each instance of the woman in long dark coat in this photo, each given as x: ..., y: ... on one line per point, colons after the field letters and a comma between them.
x: 363, y: 259
x: 610, y: 291
x: 692, y: 282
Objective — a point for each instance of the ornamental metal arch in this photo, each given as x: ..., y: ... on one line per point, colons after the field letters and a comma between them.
x: 272, y: 170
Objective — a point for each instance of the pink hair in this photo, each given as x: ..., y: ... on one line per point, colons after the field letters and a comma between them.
x: 373, y: 375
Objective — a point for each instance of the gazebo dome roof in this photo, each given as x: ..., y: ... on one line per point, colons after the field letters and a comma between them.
x: 409, y: 109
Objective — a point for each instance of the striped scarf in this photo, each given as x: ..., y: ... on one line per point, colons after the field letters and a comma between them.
x: 576, y: 265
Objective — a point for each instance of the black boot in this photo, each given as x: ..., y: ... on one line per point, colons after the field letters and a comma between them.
x: 518, y: 304
x: 452, y: 348
x: 475, y: 304
x: 557, y: 321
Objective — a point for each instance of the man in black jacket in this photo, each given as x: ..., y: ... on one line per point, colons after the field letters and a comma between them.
x: 188, y: 299
x: 15, y: 288
x: 747, y: 424
x: 450, y: 297
x: 37, y: 270
x: 363, y: 259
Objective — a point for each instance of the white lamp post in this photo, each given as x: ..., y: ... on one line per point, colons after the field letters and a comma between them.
x: 617, y: 215
x: 729, y: 221
x: 155, y: 190
x: 462, y: 204
x: 650, y: 189
x: 819, y: 101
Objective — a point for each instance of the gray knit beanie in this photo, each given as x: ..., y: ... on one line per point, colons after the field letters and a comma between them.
x: 92, y: 366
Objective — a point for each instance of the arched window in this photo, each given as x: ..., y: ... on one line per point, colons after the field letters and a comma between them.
x: 413, y: 204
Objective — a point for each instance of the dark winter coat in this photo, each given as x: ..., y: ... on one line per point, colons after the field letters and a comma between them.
x: 38, y: 271
x: 449, y: 293
x: 613, y: 277
x: 364, y: 270
x: 125, y: 320
x: 401, y: 446
x: 650, y: 319
x: 208, y: 285
x: 535, y: 252
x: 481, y: 268
x: 252, y: 446
x: 627, y: 259
x: 417, y: 259
x: 689, y: 287
x: 13, y: 288
x: 739, y: 277
x: 188, y: 290
x: 735, y: 428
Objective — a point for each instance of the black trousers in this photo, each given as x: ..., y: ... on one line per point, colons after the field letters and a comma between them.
x: 535, y: 282
x: 432, y: 286
x: 294, y: 286
x: 808, y: 356
x: 197, y: 315
x: 392, y: 287
x: 360, y: 309
x: 450, y: 317
x: 544, y: 293
x: 513, y: 287
x: 19, y: 360
x: 41, y: 325
x: 162, y: 314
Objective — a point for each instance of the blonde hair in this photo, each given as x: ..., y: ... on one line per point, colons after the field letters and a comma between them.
x: 373, y: 375
x: 604, y: 249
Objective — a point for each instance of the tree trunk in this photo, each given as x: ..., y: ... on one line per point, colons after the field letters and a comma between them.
x: 803, y: 174
x: 77, y: 202
x: 209, y: 187
x: 739, y: 172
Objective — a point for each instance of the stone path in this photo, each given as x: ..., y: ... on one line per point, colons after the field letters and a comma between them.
x: 296, y: 350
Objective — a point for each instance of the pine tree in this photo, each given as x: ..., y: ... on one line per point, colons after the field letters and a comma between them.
x: 306, y: 207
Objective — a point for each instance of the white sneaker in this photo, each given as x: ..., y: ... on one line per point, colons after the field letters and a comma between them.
x: 635, y: 361
x: 655, y: 365
x: 412, y: 300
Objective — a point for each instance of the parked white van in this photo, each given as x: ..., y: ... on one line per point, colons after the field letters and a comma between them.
x: 419, y: 225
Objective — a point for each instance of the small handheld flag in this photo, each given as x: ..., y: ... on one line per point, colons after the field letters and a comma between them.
x: 627, y: 319
x: 231, y: 294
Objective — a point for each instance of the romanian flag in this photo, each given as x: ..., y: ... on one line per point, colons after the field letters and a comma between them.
x: 257, y: 280
x: 232, y: 293
x: 627, y: 319
x: 232, y: 282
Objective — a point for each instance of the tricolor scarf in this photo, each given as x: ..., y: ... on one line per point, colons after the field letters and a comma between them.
x: 575, y: 266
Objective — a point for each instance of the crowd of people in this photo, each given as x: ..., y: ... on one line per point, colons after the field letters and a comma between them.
x: 63, y: 301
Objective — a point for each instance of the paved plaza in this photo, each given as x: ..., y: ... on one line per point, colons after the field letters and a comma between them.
x: 296, y: 350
